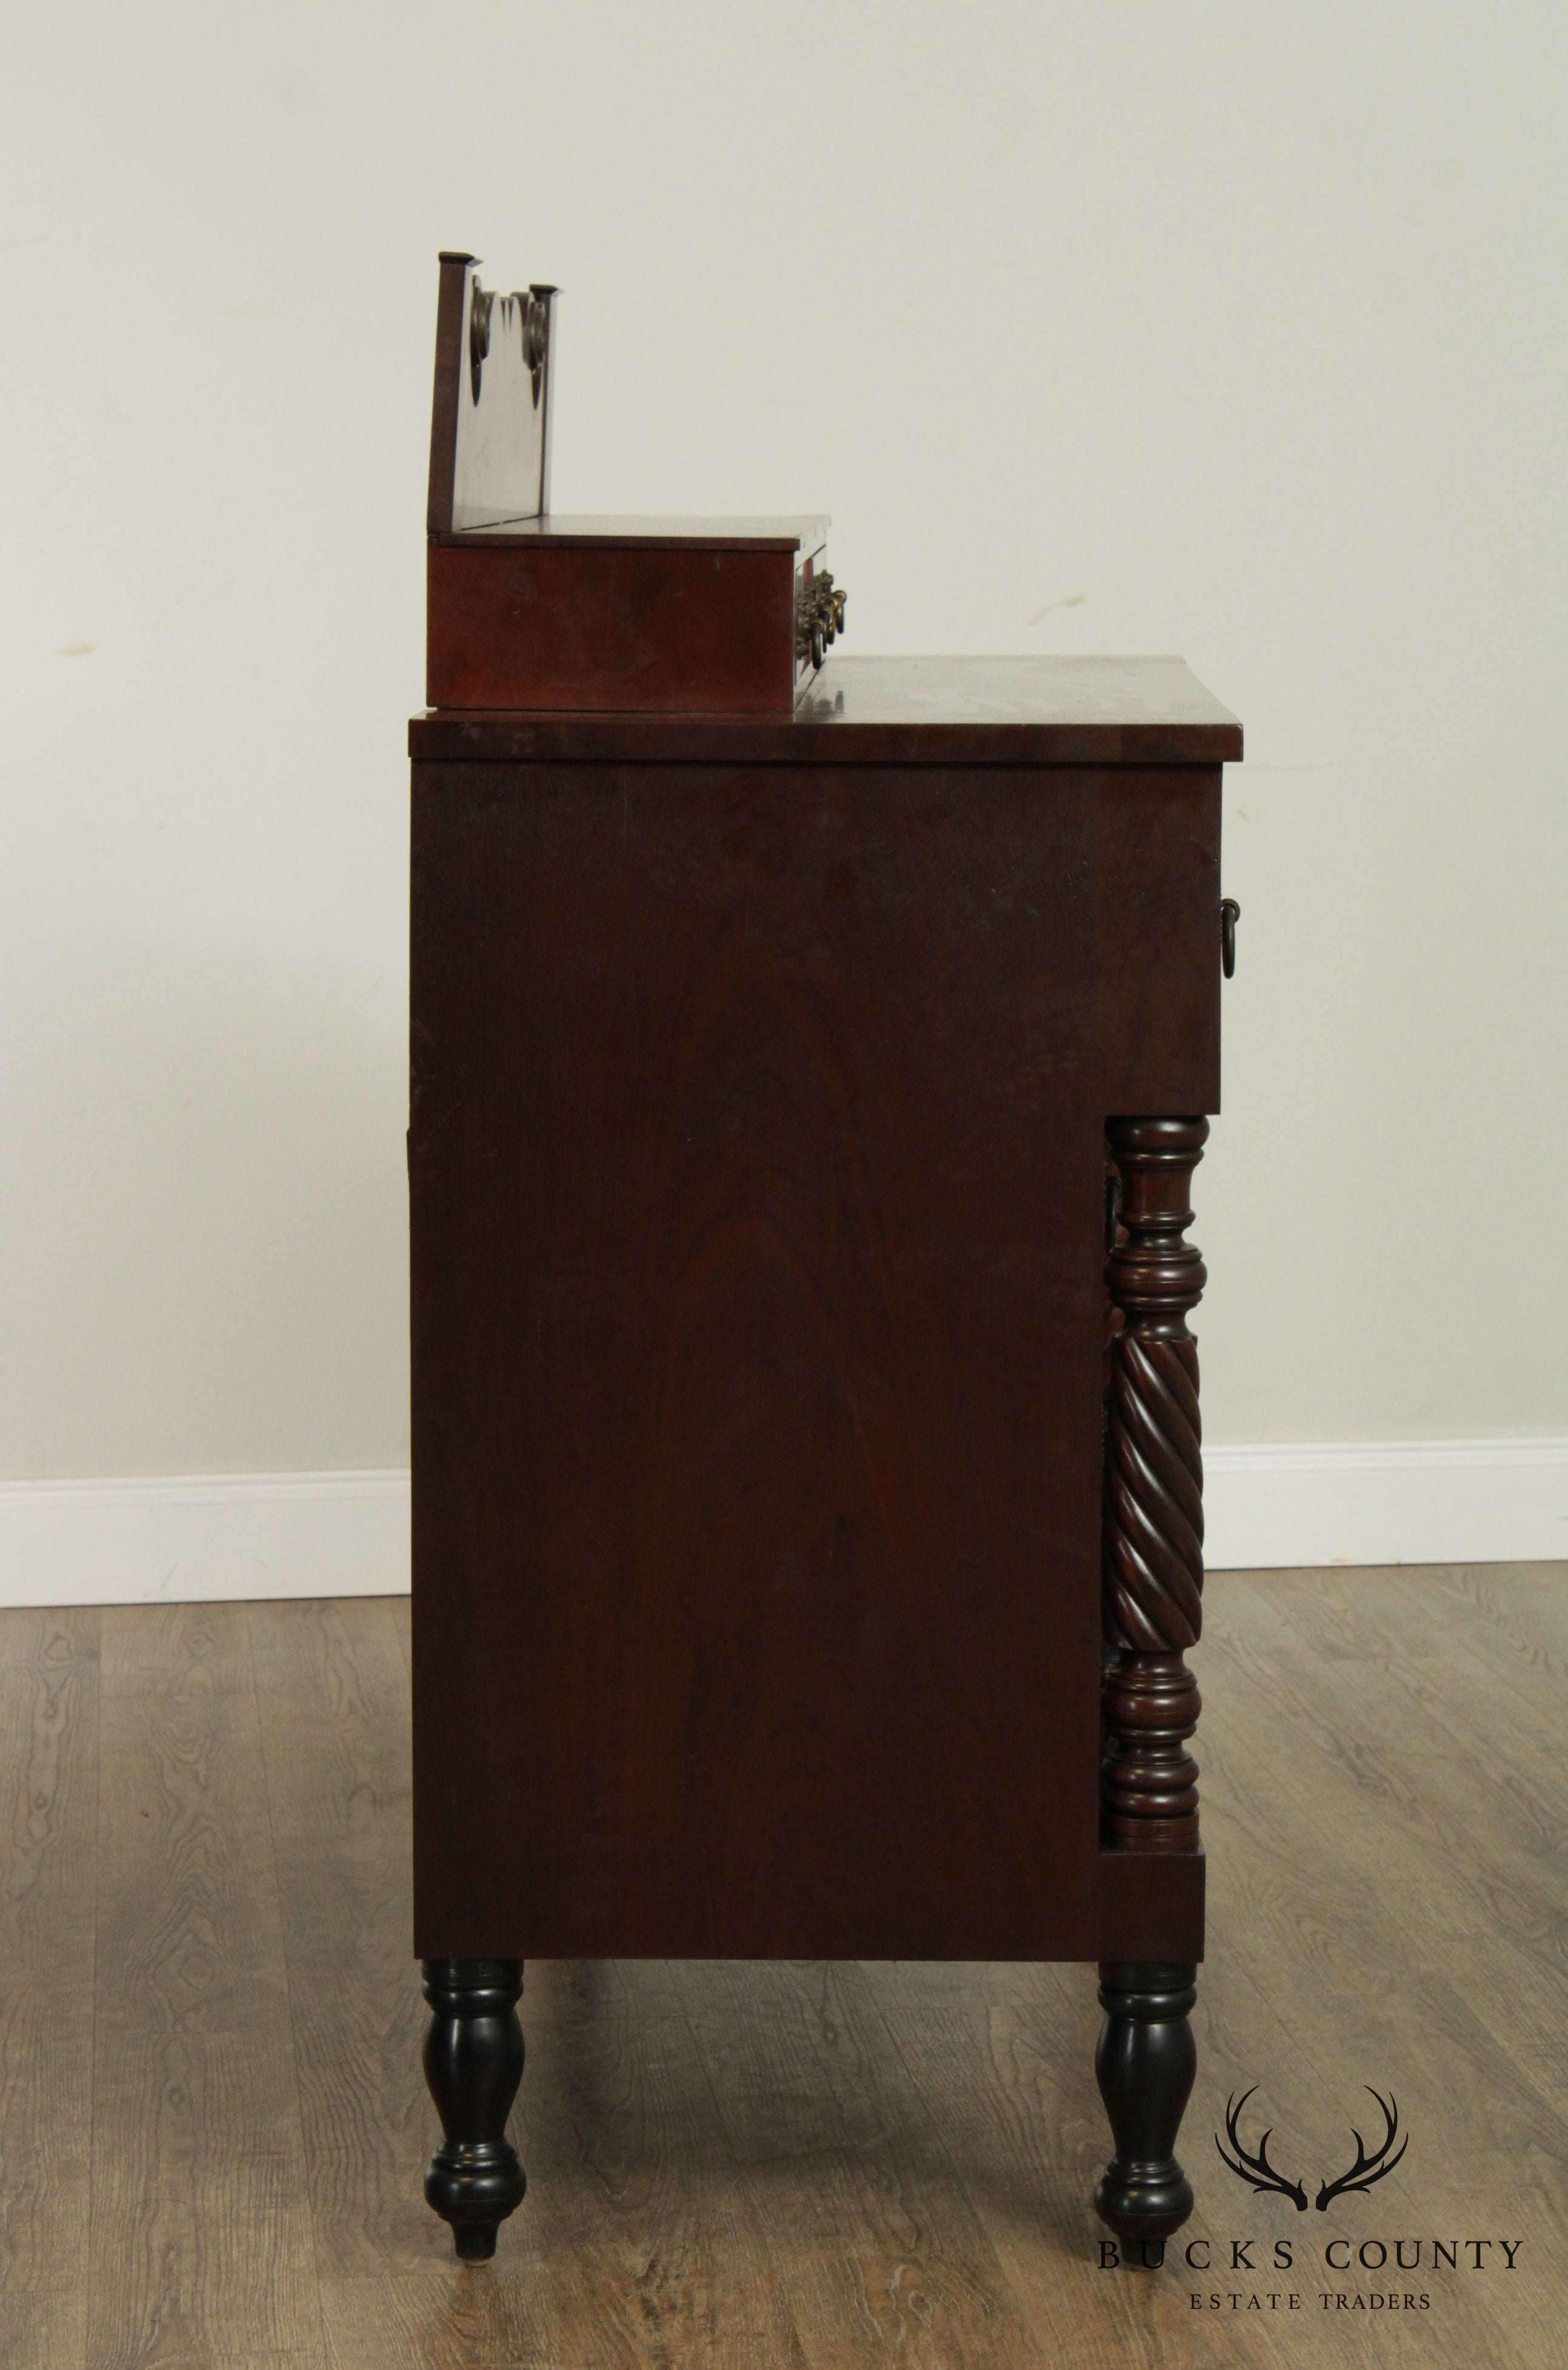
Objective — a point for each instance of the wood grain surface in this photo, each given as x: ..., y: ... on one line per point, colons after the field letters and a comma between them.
x: 531, y: 623
x: 332, y: 1685
x: 894, y: 711
x: 49, y: 1781
x: 212, y: 2123
x: 757, y: 1166
x: 200, y: 2238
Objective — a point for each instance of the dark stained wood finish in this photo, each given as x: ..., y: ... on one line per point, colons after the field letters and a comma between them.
x: 527, y: 611
x: 1144, y: 2064
x: 447, y: 395
x: 1152, y: 1542
x: 473, y: 2064
x: 643, y: 624
x: 757, y: 1151
x: 1154, y: 1492
x: 1111, y: 712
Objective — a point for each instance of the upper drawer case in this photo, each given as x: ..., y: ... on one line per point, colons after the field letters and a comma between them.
x: 527, y: 609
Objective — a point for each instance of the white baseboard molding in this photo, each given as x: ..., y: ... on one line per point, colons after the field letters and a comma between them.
x: 226, y: 1536
x: 1384, y: 1502
x: 172, y: 1539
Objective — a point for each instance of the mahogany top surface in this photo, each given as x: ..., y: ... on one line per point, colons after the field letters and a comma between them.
x: 1046, y: 710
x: 795, y: 533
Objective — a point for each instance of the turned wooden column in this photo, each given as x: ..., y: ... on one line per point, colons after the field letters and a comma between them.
x: 1154, y: 1482
x: 1153, y: 1610
x: 473, y: 2062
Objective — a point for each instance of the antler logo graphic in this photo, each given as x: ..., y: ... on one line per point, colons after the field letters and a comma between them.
x: 1260, y: 2174
x: 1368, y: 2169
x: 1256, y: 2171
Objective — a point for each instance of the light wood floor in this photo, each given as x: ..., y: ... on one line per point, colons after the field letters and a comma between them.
x: 212, y: 2126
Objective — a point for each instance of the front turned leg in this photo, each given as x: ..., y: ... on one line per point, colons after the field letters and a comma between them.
x: 1145, y: 2064
x: 1153, y: 1604
x: 473, y: 2062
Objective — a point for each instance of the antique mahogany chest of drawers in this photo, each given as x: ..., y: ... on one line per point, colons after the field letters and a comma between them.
x: 807, y: 1514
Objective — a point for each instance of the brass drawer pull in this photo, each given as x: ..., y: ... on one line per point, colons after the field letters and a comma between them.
x: 819, y: 617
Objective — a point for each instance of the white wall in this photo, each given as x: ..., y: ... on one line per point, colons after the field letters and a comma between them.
x: 1220, y: 327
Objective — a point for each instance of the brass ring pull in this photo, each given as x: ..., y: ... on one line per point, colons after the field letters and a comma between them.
x: 819, y: 617
x: 1229, y: 914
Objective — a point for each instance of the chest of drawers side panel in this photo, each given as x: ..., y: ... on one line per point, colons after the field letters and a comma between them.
x: 643, y: 626
x: 758, y: 1168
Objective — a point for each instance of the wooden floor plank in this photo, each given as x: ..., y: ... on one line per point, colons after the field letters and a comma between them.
x: 1004, y: 2057
x: 621, y: 2119
x: 49, y: 1671
x: 331, y: 1683
x: 1519, y: 1610
x: 1487, y: 2159
x: 1522, y: 1999
x: 1382, y: 1744
x: 1297, y: 1811
x: 846, y: 2171
x: 1449, y: 1660
x: 1350, y: 1764
x: 213, y: 2072
x: 201, y: 2253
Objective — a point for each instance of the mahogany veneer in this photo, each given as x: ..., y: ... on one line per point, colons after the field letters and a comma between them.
x: 527, y: 608
x: 773, y: 1415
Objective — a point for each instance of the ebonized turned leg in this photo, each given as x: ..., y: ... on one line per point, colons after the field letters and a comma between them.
x: 473, y: 2062
x: 1145, y: 2063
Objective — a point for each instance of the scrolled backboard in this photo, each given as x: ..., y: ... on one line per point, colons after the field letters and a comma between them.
x: 489, y: 440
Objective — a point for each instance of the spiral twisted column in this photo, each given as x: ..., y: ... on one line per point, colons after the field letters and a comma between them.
x: 1154, y: 1509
